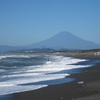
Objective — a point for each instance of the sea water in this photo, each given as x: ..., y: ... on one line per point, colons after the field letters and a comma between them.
x: 22, y: 72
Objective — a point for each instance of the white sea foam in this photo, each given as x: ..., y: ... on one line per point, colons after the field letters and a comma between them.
x: 17, y: 56
x: 16, y: 80
x: 14, y: 89
x: 2, y: 57
x: 30, y: 79
x: 2, y: 70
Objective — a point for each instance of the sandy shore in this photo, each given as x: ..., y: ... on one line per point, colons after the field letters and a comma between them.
x: 89, y: 89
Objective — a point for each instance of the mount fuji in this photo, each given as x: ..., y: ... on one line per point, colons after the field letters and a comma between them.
x: 62, y: 40
x: 65, y: 40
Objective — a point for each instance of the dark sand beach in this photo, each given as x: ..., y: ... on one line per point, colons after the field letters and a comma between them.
x: 88, y: 89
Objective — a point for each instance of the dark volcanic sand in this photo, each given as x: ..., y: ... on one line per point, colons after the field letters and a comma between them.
x: 69, y: 91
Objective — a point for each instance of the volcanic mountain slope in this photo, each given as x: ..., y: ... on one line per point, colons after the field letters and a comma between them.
x: 62, y: 40
x: 65, y: 40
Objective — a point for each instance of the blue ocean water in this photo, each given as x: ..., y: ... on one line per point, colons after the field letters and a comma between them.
x: 26, y: 72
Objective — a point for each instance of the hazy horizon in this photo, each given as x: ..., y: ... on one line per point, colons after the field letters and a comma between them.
x: 24, y: 22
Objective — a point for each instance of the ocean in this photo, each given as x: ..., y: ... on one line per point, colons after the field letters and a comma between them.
x: 25, y: 72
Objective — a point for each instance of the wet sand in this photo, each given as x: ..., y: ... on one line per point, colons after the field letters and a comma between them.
x: 88, y: 89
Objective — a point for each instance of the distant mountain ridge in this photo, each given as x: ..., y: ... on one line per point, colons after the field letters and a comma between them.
x: 65, y: 40
x: 4, y: 48
x: 62, y: 40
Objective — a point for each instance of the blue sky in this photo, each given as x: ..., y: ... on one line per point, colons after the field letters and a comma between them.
x: 25, y: 22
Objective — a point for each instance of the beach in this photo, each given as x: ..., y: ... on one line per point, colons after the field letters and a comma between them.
x: 85, y: 87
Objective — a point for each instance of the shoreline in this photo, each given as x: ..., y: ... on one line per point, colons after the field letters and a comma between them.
x: 89, y: 79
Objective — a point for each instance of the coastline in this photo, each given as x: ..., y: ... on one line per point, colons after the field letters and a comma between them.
x: 88, y: 89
